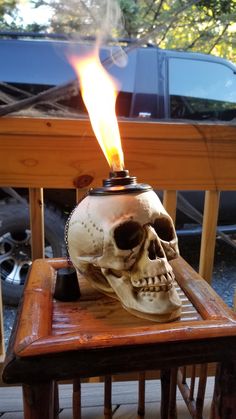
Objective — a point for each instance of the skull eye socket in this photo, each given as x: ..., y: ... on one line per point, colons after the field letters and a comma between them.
x: 164, y: 229
x: 128, y: 235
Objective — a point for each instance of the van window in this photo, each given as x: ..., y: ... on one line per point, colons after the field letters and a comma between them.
x: 201, y: 90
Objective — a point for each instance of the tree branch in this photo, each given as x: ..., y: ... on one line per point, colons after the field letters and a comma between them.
x: 218, y: 38
x: 179, y: 11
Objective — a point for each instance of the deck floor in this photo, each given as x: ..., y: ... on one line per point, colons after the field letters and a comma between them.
x: 124, y: 401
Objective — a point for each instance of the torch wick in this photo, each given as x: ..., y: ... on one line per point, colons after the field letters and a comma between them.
x: 119, y: 174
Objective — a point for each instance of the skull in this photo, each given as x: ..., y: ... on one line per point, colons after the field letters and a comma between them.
x: 122, y: 244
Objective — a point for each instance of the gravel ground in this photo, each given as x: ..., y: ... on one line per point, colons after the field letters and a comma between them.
x: 224, y: 274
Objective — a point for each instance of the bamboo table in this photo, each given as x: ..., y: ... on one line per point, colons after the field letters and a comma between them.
x: 95, y: 336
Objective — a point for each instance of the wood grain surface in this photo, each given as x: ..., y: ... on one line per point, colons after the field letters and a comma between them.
x: 165, y: 155
x: 97, y: 321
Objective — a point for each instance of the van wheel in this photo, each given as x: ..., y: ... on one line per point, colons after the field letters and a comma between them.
x: 15, y: 245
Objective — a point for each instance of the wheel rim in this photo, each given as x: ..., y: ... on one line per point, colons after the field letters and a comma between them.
x: 15, y: 257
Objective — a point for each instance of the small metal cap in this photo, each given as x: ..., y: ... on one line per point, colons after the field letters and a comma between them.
x: 119, y: 182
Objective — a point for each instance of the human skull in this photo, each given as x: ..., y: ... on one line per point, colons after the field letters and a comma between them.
x: 122, y: 244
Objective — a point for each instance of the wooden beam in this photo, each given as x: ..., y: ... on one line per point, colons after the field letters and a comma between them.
x: 170, y: 203
x: 209, y: 226
x: 64, y: 153
x: 36, y: 222
x: 2, y: 346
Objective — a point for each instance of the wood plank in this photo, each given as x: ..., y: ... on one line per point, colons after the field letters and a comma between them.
x: 125, y: 393
x: 58, y: 153
x: 11, y: 399
x: 87, y: 413
x: 152, y: 411
x: 207, y: 252
x: 36, y: 222
x: 107, y: 320
x: 170, y: 203
x: 2, y: 346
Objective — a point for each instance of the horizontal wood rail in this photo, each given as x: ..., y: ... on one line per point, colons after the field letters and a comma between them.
x: 56, y: 153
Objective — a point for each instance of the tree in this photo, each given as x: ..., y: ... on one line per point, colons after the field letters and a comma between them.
x: 7, y: 9
x: 197, y: 25
x: 204, y: 25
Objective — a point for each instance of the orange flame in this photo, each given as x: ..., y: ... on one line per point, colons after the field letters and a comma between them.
x: 99, y: 95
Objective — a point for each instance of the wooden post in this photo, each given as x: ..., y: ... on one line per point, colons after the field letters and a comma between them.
x: 2, y: 348
x: 141, y: 394
x: 172, y: 412
x: 37, y: 222
x: 38, y: 401
x: 80, y: 194
x: 224, y: 398
x: 165, y: 392
x: 170, y: 203
x: 77, y: 399
x: 207, y: 252
x: 108, y: 397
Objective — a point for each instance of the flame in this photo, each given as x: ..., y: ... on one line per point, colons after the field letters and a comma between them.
x: 99, y: 95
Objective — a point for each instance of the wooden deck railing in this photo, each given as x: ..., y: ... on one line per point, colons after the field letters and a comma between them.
x: 52, y: 153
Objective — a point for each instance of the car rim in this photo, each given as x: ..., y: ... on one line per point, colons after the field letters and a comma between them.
x: 15, y: 257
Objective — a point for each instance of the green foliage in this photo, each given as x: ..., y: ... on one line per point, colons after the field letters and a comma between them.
x: 197, y: 25
x: 131, y: 17
x: 217, y: 7
x: 7, y: 9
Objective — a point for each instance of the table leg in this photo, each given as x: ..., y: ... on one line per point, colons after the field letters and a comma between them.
x: 108, y: 397
x: 77, y: 399
x: 168, y: 393
x: 56, y: 401
x: 165, y: 392
x: 224, y: 398
x: 38, y: 400
x: 141, y: 395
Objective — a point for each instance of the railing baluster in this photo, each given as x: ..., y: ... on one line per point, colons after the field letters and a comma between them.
x: 2, y: 349
x: 210, y: 216
x: 36, y: 222
x: 170, y: 203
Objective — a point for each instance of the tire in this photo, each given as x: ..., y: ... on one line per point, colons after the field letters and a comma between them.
x: 15, y: 248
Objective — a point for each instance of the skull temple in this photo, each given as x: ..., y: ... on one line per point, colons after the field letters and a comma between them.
x: 122, y: 244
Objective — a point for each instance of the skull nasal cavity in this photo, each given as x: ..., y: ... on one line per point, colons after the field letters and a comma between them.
x: 164, y: 229
x: 128, y: 235
x: 155, y: 251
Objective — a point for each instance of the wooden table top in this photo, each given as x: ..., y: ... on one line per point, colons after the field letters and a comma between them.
x: 47, y: 326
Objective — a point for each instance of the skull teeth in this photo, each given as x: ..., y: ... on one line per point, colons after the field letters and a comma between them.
x: 156, y: 289
x: 157, y: 283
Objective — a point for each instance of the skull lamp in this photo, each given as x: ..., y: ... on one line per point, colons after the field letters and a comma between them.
x: 121, y: 239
